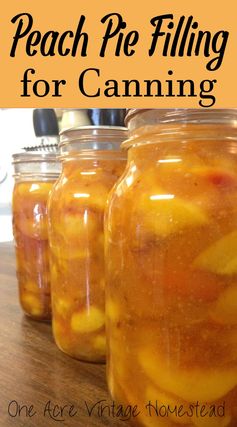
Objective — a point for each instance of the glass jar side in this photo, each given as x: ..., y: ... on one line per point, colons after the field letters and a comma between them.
x: 34, y: 179
x: 170, y: 239
x: 76, y: 211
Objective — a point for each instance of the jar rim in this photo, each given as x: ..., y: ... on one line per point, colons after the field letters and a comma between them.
x: 183, y: 114
x: 38, y: 156
x: 91, y: 154
x: 180, y: 123
x: 30, y: 176
x: 131, y: 112
x: 79, y: 133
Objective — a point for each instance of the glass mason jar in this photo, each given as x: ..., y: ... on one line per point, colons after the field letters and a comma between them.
x: 35, y: 174
x: 91, y: 164
x: 171, y: 257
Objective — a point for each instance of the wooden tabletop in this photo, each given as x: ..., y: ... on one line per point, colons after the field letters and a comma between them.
x: 35, y: 376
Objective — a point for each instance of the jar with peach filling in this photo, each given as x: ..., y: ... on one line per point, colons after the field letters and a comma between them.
x: 171, y: 261
x: 35, y: 174
x: 91, y: 164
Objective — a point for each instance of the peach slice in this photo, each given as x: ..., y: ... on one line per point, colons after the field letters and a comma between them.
x: 192, y: 385
x: 29, y: 208
x: 217, y: 176
x: 172, y: 402
x: 154, y: 421
x: 62, y: 306
x: 77, y: 233
x: 99, y: 343
x: 213, y: 422
x: 220, y: 257
x: 163, y: 214
x: 33, y: 224
x: 225, y: 308
x: 32, y: 304
x: 154, y: 394
x: 112, y: 310
x: 87, y: 321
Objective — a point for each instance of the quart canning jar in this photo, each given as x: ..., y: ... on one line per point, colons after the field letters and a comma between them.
x: 171, y: 257
x: 91, y: 164
x: 35, y: 174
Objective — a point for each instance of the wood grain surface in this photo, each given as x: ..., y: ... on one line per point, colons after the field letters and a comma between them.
x: 33, y: 371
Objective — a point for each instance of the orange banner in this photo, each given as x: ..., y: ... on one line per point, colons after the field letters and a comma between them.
x: 160, y: 54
